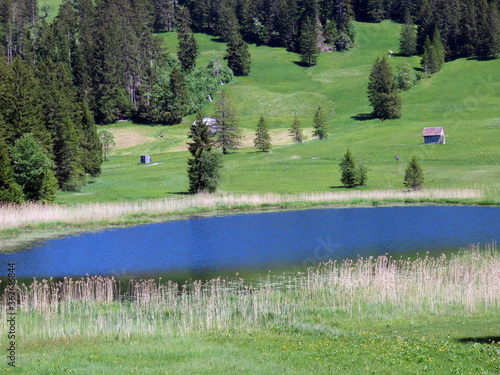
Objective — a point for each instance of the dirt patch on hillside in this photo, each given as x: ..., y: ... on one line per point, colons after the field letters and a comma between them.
x: 126, y: 137
x: 279, y: 137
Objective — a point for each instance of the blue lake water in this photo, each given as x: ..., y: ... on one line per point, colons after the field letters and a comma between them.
x: 289, y: 240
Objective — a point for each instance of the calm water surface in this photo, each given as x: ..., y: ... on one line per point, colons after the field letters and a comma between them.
x: 292, y: 240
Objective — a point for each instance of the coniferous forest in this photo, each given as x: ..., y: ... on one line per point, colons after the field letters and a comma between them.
x: 102, y: 61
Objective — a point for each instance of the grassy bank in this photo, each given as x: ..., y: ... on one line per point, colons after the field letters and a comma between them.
x: 432, y: 314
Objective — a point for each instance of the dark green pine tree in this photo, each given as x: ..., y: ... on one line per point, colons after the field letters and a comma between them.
x: 10, y: 191
x: 433, y: 56
x: 296, y: 131
x: 383, y: 92
x: 262, y: 137
x: 177, y: 100
x: 414, y: 175
x: 228, y: 136
x: 188, y: 48
x: 32, y: 170
x: 164, y: 15
x: 319, y: 124
x: 204, y: 166
x: 60, y: 111
x: 408, y: 40
x: 237, y: 56
x: 349, y: 170
x: 308, y: 43
x: 91, y: 143
x: 376, y: 10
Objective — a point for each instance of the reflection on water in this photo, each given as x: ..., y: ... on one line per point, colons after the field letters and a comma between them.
x: 291, y: 240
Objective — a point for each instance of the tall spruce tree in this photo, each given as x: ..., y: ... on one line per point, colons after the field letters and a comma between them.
x: 262, y: 137
x: 319, y: 124
x: 188, y: 48
x: 408, y: 40
x: 308, y: 43
x: 228, y: 136
x: 296, y: 131
x: 204, y: 166
x: 383, y: 92
x: 433, y: 56
x: 91, y: 143
x: 414, y: 175
x: 350, y: 176
x: 178, y: 97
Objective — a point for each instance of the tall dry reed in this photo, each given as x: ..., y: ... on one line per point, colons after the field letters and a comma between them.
x: 468, y: 282
x: 14, y: 216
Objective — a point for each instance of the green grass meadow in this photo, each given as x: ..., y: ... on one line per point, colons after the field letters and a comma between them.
x: 463, y: 97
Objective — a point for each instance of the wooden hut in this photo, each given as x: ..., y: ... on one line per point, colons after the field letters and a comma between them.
x: 434, y: 135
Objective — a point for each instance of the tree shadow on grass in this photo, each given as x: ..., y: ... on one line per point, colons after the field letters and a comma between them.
x: 364, y: 117
x: 479, y: 340
x: 180, y: 193
x: 338, y: 187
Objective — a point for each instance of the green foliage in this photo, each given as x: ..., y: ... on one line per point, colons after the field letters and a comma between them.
x: 238, y: 56
x: 382, y: 91
x: 204, y: 166
x: 204, y: 82
x: 319, y: 124
x: 414, y: 175
x: 406, y: 77
x: 296, y: 131
x: 228, y: 135
x: 262, y: 137
x: 32, y: 170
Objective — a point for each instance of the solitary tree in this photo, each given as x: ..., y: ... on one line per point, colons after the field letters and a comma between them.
x: 414, y: 175
x: 262, y: 137
x: 204, y: 166
x: 349, y: 170
x: 296, y: 131
x: 228, y: 135
x: 383, y: 92
x: 107, y: 141
x: 32, y: 170
x: 319, y: 124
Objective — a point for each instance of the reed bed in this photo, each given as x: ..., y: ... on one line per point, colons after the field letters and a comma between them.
x: 33, y: 214
x: 373, y: 288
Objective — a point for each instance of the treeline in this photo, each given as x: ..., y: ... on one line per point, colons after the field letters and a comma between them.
x: 279, y: 23
x: 466, y: 28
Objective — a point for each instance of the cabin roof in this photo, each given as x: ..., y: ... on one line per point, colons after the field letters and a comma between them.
x: 431, y: 132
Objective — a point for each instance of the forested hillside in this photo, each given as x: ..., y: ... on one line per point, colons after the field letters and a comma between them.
x: 63, y: 70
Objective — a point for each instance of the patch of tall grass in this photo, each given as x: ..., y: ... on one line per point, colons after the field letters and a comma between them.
x: 32, y: 215
x: 364, y: 289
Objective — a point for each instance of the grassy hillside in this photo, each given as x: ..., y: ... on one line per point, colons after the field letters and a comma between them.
x: 463, y: 98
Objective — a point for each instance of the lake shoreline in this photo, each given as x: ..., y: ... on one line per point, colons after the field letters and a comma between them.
x: 12, y: 239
